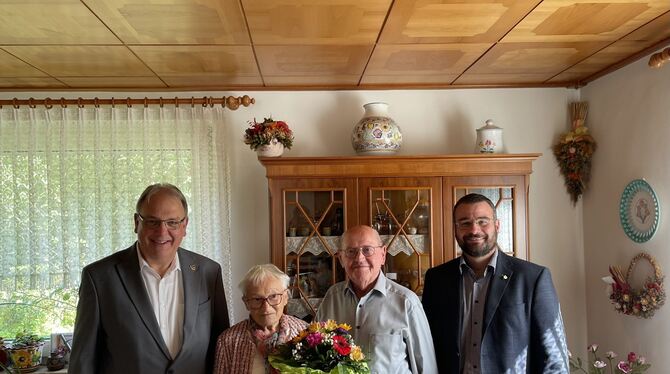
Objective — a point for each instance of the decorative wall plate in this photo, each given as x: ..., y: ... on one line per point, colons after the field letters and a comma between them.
x: 639, y: 211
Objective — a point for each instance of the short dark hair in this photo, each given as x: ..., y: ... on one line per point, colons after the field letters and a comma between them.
x: 159, y: 187
x: 473, y: 198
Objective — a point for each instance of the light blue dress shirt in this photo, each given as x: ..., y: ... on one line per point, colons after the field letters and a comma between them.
x: 388, y: 323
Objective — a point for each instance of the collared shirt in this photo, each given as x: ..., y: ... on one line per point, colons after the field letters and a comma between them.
x: 388, y: 323
x: 166, y: 295
x: 474, y: 301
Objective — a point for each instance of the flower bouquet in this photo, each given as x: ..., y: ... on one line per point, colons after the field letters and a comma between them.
x: 268, y: 133
x: 634, y: 364
x: 324, y: 347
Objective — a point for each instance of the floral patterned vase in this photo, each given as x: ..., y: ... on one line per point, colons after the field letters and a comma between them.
x: 376, y: 133
x: 274, y: 149
x: 489, y: 139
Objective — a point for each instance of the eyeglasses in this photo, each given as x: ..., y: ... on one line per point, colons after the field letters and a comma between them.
x: 468, y: 224
x: 172, y: 224
x: 257, y: 302
x: 367, y: 251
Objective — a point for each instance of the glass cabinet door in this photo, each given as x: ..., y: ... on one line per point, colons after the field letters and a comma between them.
x: 508, y: 198
x: 314, y: 221
x: 405, y: 212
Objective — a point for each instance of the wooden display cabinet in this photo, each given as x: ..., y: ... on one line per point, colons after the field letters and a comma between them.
x: 408, y: 199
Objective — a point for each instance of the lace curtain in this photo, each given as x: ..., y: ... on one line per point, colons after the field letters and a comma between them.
x: 70, y: 178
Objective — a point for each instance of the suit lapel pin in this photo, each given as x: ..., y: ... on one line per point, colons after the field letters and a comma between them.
x: 504, y: 276
x: 193, y: 267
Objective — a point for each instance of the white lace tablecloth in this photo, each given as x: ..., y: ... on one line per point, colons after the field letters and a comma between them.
x: 316, y: 245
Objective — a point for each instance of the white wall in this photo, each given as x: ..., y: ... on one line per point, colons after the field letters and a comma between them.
x: 629, y: 117
x: 433, y: 122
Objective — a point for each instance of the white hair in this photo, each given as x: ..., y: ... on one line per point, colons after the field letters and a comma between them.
x: 259, y: 273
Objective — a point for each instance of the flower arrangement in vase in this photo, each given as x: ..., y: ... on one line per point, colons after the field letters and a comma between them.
x: 634, y: 363
x: 26, y: 351
x: 323, y: 347
x: 268, y: 138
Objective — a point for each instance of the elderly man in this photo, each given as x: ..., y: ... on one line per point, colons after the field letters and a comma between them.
x: 489, y: 312
x: 153, y: 307
x: 387, y: 319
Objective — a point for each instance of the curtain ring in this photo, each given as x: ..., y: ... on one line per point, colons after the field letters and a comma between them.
x: 146, y: 104
x: 112, y: 102
x: 204, y: 102
x: 192, y: 102
x: 62, y: 102
x: 79, y: 104
x: 160, y: 101
x: 96, y: 103
x: 47, y: 103
x: 223, y: 101
x: 31, y: 103
x: 128, y: 102
x: 14, y: 104
x: 176, y: 102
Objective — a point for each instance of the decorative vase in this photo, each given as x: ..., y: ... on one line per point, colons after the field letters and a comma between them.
x: 489, y: 139
x: 26, y: 358
x: 274, y: 149
x: 376, y: 133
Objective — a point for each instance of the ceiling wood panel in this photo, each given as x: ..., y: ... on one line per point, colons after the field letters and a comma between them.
x: 75, y: 61
x: 51, y: 22
x: 308, y: 22
x: 453, y: 21
x: 173, y: 21
x: 583, y: 21
x: 327, y: 44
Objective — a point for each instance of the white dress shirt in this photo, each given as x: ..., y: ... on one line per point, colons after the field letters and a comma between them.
x: 388, y: 324
x: 166, y: 295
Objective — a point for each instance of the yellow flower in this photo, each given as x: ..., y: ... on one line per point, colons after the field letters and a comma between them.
x: 356, y: 353
x: 313, y: 327
x: 344, y: 326
x: 330, y: 325
x: 300, y: 336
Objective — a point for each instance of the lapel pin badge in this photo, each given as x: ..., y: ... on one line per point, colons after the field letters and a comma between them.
x: 193, y: 267
x: 504, y: 276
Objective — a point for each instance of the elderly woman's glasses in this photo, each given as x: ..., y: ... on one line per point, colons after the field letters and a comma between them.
x: 367, y: 251
x: 172, y: 224
x: 257, y: 302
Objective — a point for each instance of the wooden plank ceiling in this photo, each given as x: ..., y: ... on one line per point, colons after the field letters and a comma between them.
x: 325, y: 44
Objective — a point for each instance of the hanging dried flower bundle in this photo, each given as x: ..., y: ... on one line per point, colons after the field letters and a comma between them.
x: 574, y: 151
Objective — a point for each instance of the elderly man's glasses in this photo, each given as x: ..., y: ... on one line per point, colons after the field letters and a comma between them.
x: 257, y: 302
x: 367, y: 251
x: 468, y: 224
x: 171, y: 224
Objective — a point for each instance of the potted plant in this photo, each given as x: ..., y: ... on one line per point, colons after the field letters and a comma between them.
x: 4, y: 355
x: 26, y: 351
x: 268, y: 138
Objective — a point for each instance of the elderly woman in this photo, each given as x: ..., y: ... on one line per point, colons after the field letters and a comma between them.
x: 244, y: 347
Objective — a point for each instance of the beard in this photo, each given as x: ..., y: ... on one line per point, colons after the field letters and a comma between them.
x: 477, y: 249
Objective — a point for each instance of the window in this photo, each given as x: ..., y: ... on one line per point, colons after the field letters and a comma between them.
x: 69, y: 180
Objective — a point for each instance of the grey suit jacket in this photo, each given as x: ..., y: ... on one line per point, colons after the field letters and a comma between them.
x: 116, y: 330
x: 523, y: 328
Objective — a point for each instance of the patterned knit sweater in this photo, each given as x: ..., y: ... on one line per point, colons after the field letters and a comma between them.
x: 235, y: 348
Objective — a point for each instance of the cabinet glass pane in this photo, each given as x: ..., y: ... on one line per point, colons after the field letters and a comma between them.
x: 503, y: 199
x: 402, y: 218
x: 314, y: 221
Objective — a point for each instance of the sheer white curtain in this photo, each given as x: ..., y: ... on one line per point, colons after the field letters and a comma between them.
x: 70, y: 177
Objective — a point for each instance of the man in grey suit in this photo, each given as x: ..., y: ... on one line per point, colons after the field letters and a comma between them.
x: 489, y: 312
x: 153, y: 307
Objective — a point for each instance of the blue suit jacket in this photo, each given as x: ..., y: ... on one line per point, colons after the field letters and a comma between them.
x: 523, y: 328
x: 116, y: 330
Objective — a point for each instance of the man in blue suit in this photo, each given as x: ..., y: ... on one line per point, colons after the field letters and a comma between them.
x: 489, y: 312
x: 153, y: 307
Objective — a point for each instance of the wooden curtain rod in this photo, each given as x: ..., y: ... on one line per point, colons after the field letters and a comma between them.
x: 229, y: 102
